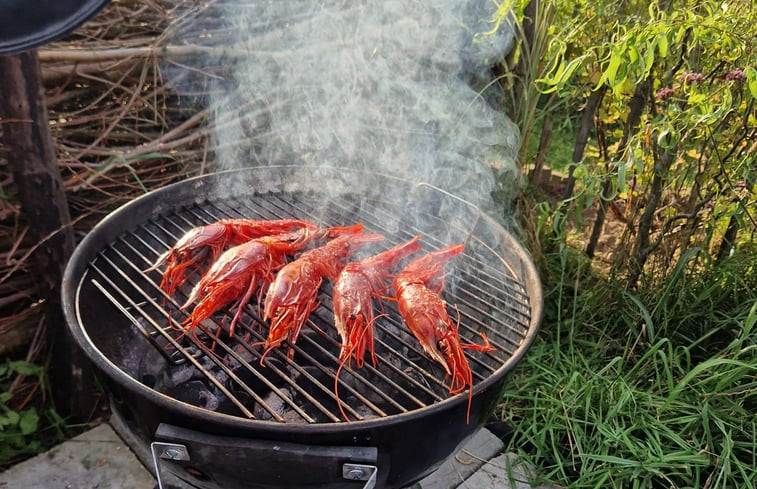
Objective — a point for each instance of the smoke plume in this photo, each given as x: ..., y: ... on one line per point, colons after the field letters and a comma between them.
x: 389, y: 86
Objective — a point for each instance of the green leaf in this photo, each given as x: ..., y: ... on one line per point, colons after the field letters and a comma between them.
x: 750, y: 321
x: 680, y: 33
x: 708, y: 364
x: 635, y: 58
x: 667, y: 138
x: 25, y: 368
x: 751, y: 77
x: 622, y: 176
x: 569, y: 70
x: 697, y: 98
x: 648, y: 321
x: 649, y: 56
x: 653, y: 10
x: 28, y: 422
x: 10, y: 418
x: 662, y: 44
x: 612, y: 68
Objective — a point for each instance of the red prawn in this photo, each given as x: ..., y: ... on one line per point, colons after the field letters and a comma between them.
x: 239, y: 272
x: 293, y: 295
x: 206, y: 243
x: 354, y: 290
x: 418, y: 287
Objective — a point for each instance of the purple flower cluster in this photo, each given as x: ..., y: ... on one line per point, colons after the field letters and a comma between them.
x: 737, y: 74
x: 687, y: 77
x: 692, y: 76
x: 743, y: 190
x: 664, y: 93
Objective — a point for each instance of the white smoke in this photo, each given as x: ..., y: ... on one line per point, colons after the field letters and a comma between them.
x: 377, y: 85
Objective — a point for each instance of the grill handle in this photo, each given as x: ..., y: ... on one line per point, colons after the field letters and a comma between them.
x: 475, y: 210
x: 214, y: 461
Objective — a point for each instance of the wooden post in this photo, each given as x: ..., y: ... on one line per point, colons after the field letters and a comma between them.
x: 32, y: 160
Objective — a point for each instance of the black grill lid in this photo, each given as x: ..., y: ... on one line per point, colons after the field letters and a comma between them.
x: 27, y: 24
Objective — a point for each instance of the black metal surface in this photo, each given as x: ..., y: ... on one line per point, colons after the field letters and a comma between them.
x: 27, y: 24
x: 291, y: 465
x: 106, y: 296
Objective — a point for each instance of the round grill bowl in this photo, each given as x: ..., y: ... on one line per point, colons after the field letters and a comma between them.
x: 115, y: 313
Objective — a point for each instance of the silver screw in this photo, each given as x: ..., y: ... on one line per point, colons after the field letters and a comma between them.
x: 172, y: 453
x: 355, y: 474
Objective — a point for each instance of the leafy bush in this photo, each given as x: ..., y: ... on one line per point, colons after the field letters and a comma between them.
x: 29, y: 423
x: 668, y: 90
x: 17, y: 427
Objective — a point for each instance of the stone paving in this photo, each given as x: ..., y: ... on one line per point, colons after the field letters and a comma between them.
x: 96, y: 459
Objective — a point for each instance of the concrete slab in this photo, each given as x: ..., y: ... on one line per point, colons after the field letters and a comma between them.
x: 503, y: 472
x: 96, y: 459
x: 483, y: 446
x: 142, y: 452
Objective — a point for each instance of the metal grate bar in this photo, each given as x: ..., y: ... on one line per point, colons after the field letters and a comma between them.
x: 133, y: 305
x: 207, y: 351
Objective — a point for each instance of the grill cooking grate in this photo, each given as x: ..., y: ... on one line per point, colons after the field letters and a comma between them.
x: 216, y: 372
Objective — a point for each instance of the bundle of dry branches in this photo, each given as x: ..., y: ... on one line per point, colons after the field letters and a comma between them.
x: 118, y: 132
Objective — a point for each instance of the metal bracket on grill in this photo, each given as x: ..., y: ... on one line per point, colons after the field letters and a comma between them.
x: 360, y: 472
x: 246, y: 459
x: 168, y: 451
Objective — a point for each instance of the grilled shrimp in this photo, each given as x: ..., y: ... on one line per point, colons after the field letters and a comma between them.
x: 239, y: 273
x: 292, y: 296
x: 206, y: 243
x: 354, y: 290
x: 418, y: 287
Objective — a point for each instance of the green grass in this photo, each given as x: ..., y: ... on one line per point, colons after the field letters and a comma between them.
x: 651, y: 389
